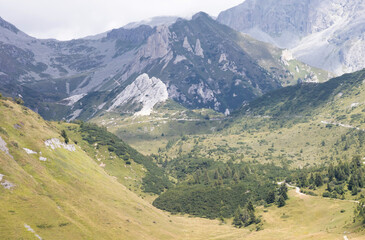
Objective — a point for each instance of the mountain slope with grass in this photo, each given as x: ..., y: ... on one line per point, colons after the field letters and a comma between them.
x: 61, y: 191
x: 297, y: 126
x: 50, y: 189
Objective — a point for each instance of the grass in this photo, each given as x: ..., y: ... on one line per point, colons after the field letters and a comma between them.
x: 71, y: 197
x: 169, y: 121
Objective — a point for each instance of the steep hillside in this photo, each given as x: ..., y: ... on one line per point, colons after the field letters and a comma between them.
x: 202, y: 64
x: 338, y: 95
x: 326, y: 34
x: 58, y: 190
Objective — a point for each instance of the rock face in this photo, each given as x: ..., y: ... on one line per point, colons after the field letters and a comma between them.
x: 144, y: 92
x: 328, y: 34
x: 201, y: 62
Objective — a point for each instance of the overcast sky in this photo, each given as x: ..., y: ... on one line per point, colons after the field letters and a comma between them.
x: 67, y: 19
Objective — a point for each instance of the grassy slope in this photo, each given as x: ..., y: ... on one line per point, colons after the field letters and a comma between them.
x: 289, y: 126
x: 168, y: 122
x: 70, y: 188
x: 71, y: 197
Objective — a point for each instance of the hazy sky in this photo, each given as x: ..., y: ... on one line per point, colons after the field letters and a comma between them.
x: 67, y: 19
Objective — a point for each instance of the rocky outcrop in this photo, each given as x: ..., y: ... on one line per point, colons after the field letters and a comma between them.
x: 4, y: 148
x: 55, y: 143
x: 144, y: 92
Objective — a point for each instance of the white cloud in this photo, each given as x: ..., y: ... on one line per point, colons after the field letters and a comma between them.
x: 66, y: 19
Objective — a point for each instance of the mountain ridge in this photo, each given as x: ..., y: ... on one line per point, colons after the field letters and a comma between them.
x: 105, y: 66
x: 326, y: 34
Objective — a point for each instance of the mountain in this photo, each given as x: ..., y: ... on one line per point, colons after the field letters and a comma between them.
x: 153, y: 22
x: 201, y: 63
x: 327, y: 34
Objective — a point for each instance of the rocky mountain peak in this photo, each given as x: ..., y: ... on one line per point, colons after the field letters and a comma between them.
x: 134, y: 35
x: 321, y: 33
x: 200, y: 15
x: 8, y: 26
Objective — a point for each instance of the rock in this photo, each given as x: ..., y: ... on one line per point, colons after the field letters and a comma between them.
x: 198, y: 49
x: 55, y: 143
x: 6, y: 184
x: 144, y: 91
x: 4, y: 148
x: 32, y: 231
x: 328, y: 34
x: 28, y: 151
x: 187, y: 45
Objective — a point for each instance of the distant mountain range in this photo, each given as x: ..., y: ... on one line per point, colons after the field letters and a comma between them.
x: 328, y: 34
x: 200, y: 62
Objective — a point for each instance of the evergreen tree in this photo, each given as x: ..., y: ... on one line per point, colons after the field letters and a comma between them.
x: 64, y: 135
x: 352, y: 182
x: 360, y: 211
x: 354, y: 191
x: 311, y: 179
x: 329, y: 186
x: 251, y: 218
x: 216, y: 174
x: 236, y: 178
x: 281, y: 201
x: 331, y: 172
x: 356, y: 161
x: 283, y: 191
x: 250, y: 206
x: 318, y: 180
x: 206, y: 178
x: 244, y: 217
x: 237, y: 222
x: 270, y: 198
x: 303, y: 182
x: 227, y: 173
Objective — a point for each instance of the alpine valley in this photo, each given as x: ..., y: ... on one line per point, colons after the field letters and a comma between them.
x: 236, y: 127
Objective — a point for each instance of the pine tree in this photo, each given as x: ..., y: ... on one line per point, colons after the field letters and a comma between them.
x: 237, y: 221
x: 216, y: 174
x: 250, y: 206
x: 356, y: 161
x: 283, y: 191
x: 318, y: 180
x: 281, y: 201
x: 352, y: 182
x: 236, y: 178
x: 227, y: 173
x: 270, y: 198
x: 311, y: 179
x: 206, y: 178
x: 64, y: 135
x: 329, y: 187
x: 360, y: 211
x: 331, y: 172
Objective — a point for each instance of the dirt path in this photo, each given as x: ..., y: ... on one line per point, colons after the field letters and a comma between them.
x: 342, y: 125
x: 298, y: 192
